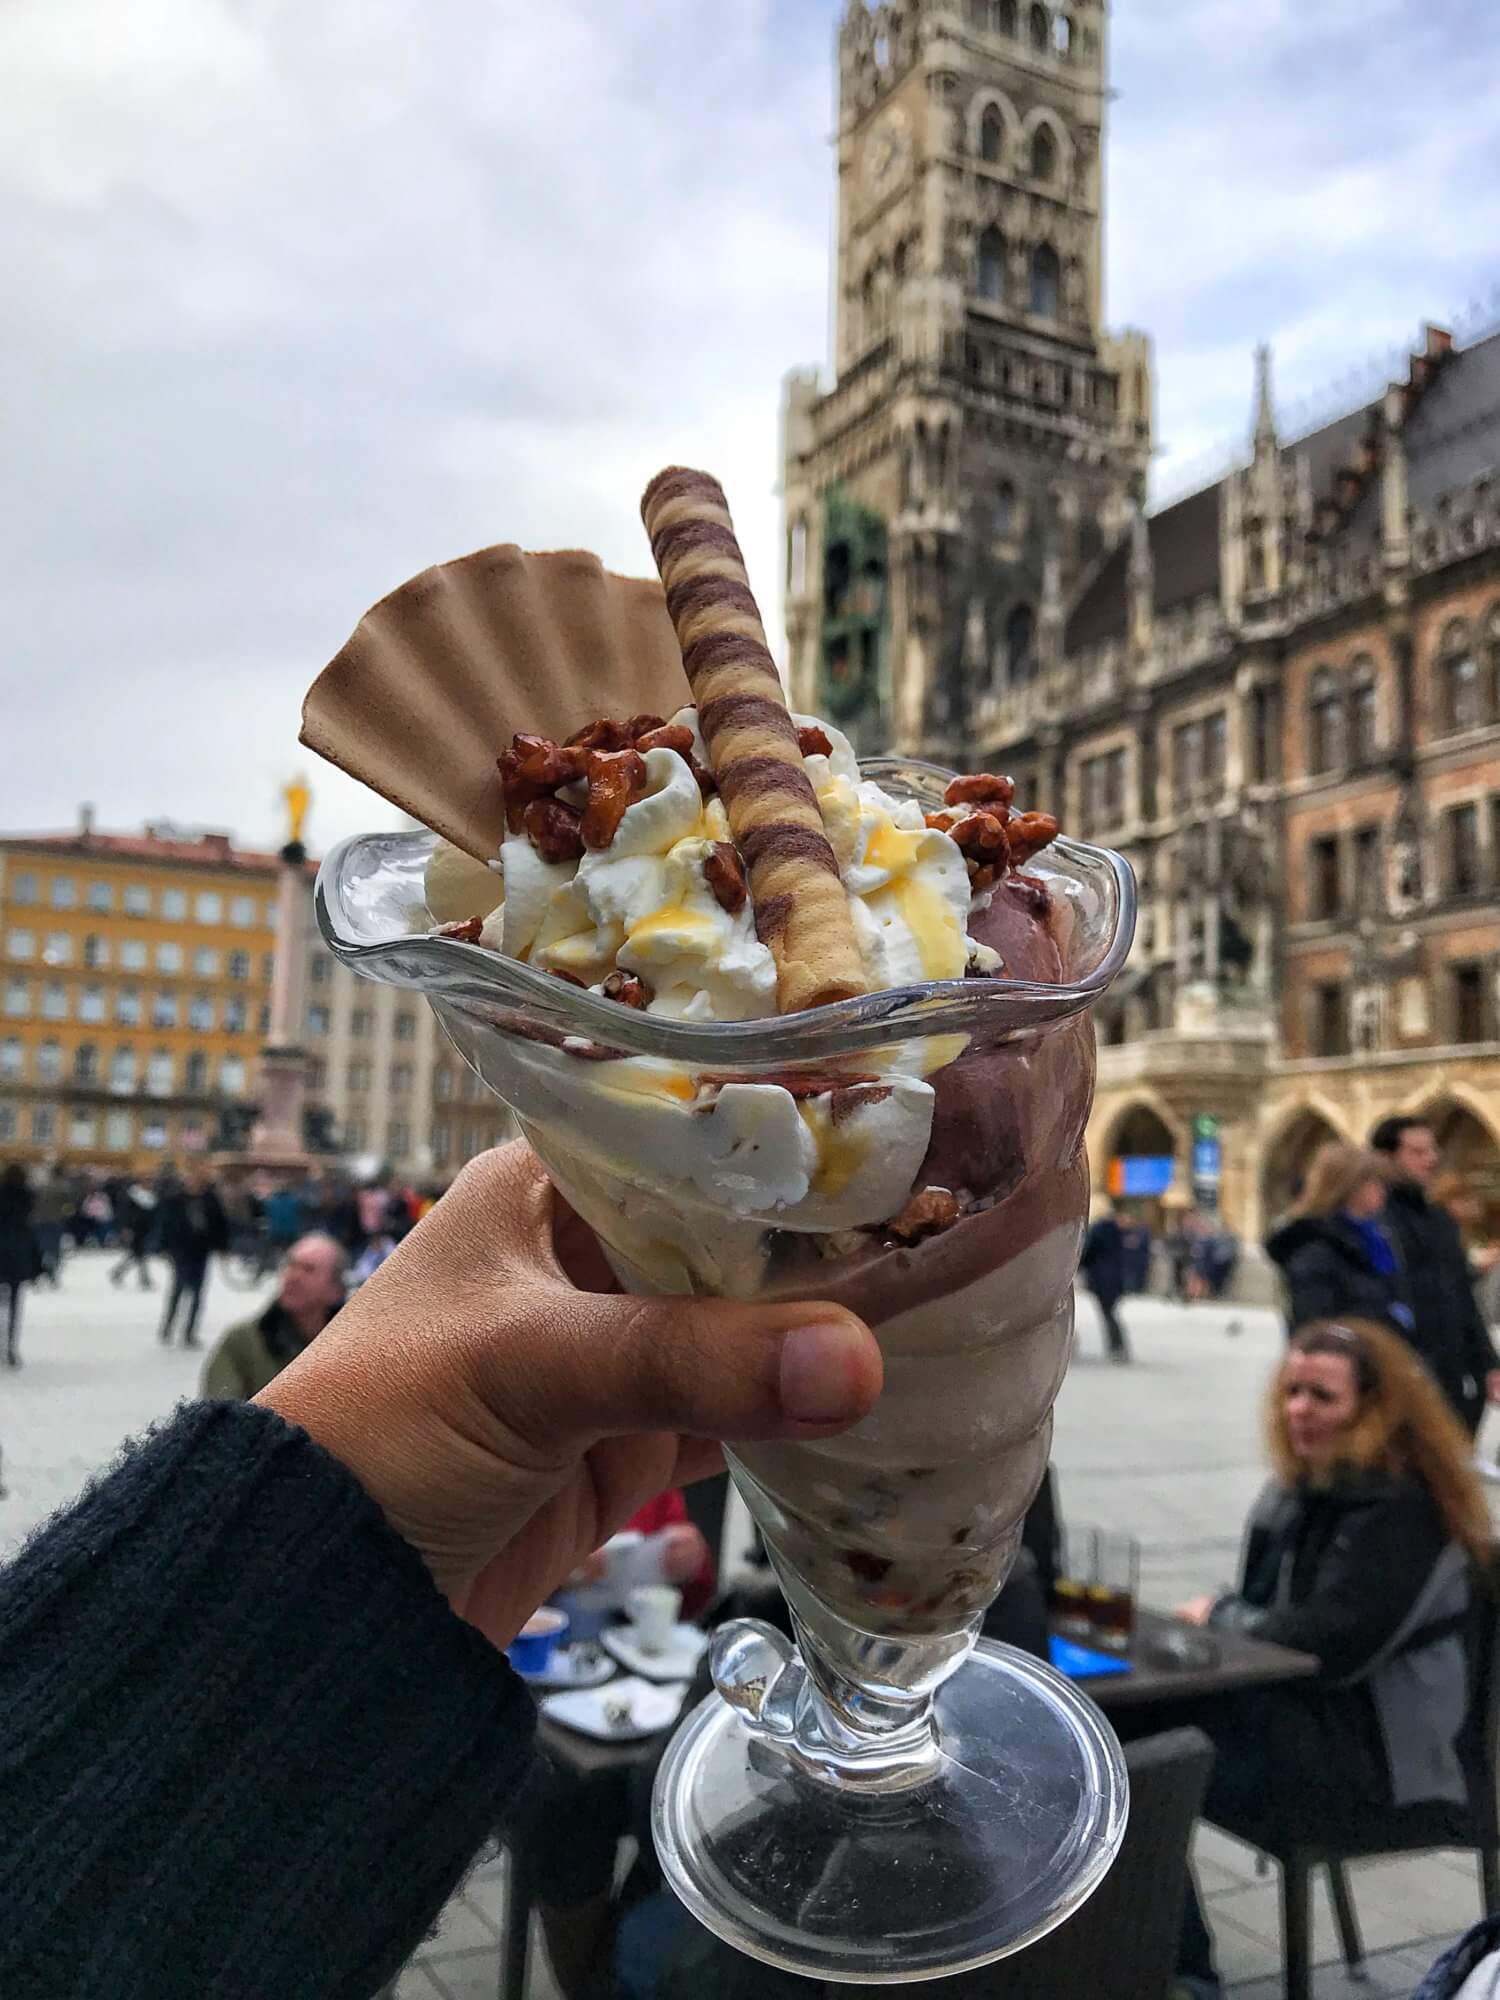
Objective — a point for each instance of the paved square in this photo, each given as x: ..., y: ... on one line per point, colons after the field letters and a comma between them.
x: 1167, y: 1449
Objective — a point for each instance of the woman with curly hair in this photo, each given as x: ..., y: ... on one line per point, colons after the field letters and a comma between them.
x: 1365, y: 1552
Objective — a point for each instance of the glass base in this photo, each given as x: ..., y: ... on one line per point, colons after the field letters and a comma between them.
x: 1012, y: 1827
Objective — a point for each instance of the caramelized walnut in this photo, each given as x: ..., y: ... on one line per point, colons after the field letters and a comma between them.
x: 467, y: 932
x: 1029, y: 834
x: 555, y: 830
x: 726, y: 877
x: 533, y: 768
x: 628, y: 990
x: 813, y: 742
x: 668, y: 736
x: 926, y: 1214
x: 984, y: 789
x: 616, y: 779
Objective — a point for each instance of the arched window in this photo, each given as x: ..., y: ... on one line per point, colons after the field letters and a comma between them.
x: 1062, y: 35
x: 1463, y: 696
x: 1364, y: 713
x: 1005, y: 509
x: 1020, y: 645
x: 978, y: 12
x: 991, y: 136
x: 1043, y: 154
x: 86, y: 1063
x: 1045, y: 276
x: 1325, y: 724
x: 1041, y: 30
x: 991, y: 275
x: 1003, y: 17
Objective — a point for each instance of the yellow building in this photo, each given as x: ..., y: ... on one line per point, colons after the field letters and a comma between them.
x: 135, y: 983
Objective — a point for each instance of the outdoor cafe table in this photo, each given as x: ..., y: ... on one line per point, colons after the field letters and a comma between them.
x: 1240, y: 1662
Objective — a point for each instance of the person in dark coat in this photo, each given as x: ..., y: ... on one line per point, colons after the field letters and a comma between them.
x: 1334, y: 1253
x: 191, y: 1225
x: 1365, y: 1552
x: 20, y: 1253
x: 1103, y: 1268
x: 1448, y: 1328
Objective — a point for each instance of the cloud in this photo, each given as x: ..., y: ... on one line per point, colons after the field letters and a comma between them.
x: 302, y: 298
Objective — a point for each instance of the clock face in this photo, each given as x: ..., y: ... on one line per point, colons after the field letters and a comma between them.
x: 888, y: 151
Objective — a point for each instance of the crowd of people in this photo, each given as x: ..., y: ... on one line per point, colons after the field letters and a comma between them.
x: 505, y: 1414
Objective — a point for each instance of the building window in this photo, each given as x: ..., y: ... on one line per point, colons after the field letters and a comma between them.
x: 406, y: 1026
x: 159, y: 1072
x: 133, y: 955
x: 1046, y: 277
x: 1325, y: 887
x: 1369, y: 895
x: 1003, y: 17
x: 43, y: 1125
x: 469, y: 1087
x: 1005, y: 510
x: 232, y: 1075
x: 58, y: 950
x: 1325, y: 724
x: 354, y: 1134
x: 49, y: 1063
x: 138, y: 901
x: 442, y: 1145
x: 398, y: 1139
x: 100, y: 897
x: 239, y: 965
x: 1470, y: 1004
x: 1263, y: 747
x: 21, y: 945
x: 471, y: 1141
x: 359, y: 1074
x: 242, y: 913
x: 95, y: 952
x: 991, y: 136
x: 164, y: 1010
x: 1043, y: 154
x: 317, y: 1020
x: 12, y: 1058
x: 265, y: 1021
x: 317, y: 1073
x: 1020, y: 646
x: 1216, y: 750
x: 991, y: 274
x: 91, y: 1005
x: 442, y: 1084
x: 268, y: 967
x: 1330, y: 1021
x: 64, y: 893
x: 23, y: 889
x: 205, y: 962
x: 1463, y: 698
x: 54, y: 1001
x: 18, y: 998
x: 1463, y: 850
x: 208, y: 908
x: 7, y: 1122
x: 169, y: 957
x: 401, y: 1079
x: 1062, y: 34
x: 321, y: 971
x: 1187, y: 759
x: 1041, y: 29
x: 201, y: 1013
x: 234, y: 1016
x: 122, y: 1068
x: 154, y: 1135
x: 359, y: 1023
x: 119, y: 1130
x: 1364, y: 715
x: 195, y: 1077
x: 82, y: 1129
x: 86, y: 1063
x: 128, y: 1007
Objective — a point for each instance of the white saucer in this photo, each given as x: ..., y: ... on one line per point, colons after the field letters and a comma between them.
x: 566, y: 1669
x: 677, y: 1661
x: 652, y: 1709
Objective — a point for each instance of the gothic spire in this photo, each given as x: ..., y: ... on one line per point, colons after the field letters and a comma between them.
x: 1265, y: 437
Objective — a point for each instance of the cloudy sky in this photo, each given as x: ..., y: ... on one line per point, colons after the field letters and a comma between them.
x: 302, y: 295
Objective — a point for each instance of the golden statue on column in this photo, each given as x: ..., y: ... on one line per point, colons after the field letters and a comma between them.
x: 298, y: 798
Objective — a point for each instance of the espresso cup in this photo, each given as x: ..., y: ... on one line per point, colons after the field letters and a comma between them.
x: 538, y: 1639
x: 653, y: 1611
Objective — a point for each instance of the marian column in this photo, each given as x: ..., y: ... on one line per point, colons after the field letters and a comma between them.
x: 276, y: 1144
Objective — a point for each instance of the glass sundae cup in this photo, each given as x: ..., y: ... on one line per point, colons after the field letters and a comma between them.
x: 887, y: 1800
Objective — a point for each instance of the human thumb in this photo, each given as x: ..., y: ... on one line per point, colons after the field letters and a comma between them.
x: 708, y: 1368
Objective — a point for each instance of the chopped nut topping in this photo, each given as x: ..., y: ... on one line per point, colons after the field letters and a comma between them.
x: 926, y: 1214
x: 667, y: 736
x: 467, y: 932
x: 1029, y: 834
x: 616, y: 779
x: 726, y: 877
x: 984, y: 789
x: 628, y: 990
x: 814, y: 742
x: 555, y: 829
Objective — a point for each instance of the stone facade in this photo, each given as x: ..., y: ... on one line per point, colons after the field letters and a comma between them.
x: 1280, y: 696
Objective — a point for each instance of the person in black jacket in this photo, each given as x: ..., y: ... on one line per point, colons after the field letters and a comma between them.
x: 1333, y: 1250
x: 1362, y: 1552
x: 255, y: 1723
x: 1448, y: 1328
x: 20, y: 1253
x: 190, y: 1226
x: 1103, y: 1269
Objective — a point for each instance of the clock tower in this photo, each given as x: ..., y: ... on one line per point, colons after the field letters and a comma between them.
x: 984, y: 440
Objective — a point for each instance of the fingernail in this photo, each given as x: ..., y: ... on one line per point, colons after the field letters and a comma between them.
x: 822, y: 1373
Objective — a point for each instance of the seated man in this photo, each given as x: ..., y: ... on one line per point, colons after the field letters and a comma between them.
x: 252, y: 1353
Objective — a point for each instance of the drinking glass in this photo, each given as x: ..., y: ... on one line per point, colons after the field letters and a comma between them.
x: 884, y: 1800
x: 1114, y: 1585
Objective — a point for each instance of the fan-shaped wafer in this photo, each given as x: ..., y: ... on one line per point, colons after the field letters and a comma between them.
x: 801, y: 910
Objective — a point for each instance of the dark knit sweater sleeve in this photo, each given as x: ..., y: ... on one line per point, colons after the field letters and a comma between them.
x: 246, y: 1749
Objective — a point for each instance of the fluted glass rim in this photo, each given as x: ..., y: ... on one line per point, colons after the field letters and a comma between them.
x: 478, y: 979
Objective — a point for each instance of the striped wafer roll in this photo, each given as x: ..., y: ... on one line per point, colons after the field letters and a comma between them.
x: 801, y: 910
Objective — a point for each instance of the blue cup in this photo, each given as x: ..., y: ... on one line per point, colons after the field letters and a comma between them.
x: 538, y: 1639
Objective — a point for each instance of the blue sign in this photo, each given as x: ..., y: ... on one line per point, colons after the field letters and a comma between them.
x: 1145, y: 1175
x: 1207, y: 1162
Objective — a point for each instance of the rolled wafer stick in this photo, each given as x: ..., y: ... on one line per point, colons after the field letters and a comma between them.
x: 801, y: 910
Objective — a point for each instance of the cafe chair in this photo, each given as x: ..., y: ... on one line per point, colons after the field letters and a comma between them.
x: 1415, y: 1829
